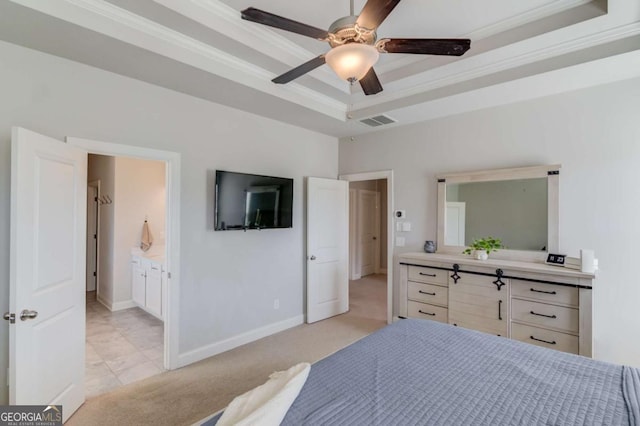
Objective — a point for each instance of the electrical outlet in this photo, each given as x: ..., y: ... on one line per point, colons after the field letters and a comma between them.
x: 276, y: 304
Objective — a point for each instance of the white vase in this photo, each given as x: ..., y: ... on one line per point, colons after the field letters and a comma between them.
x: 480, y: 254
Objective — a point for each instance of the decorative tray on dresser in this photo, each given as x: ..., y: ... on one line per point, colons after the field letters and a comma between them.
x: 544, y: 305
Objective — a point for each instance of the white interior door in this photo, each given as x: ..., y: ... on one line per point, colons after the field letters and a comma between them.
x: 47, y: 272
x: 92, y: 237
x: 367, y: 231
x: 455, y: 223
x: 327, y: 248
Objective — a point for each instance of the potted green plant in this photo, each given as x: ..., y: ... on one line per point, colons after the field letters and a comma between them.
x: 481, y: 247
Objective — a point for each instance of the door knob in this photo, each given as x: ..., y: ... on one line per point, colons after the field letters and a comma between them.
x: 312, y: 257
x: 27, y: 314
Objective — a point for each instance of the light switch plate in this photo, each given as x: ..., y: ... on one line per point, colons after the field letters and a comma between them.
x: 399, y: 226
x: 400, y: 241
x: 406, y: 226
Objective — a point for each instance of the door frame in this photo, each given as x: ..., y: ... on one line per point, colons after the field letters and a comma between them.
x: 388, y: 175
x: 360, y: 231
x: 354, y: 272
x: 96, y: 184
x: 172, y: 178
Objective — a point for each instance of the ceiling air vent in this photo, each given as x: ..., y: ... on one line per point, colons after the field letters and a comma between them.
x: 378, y: 120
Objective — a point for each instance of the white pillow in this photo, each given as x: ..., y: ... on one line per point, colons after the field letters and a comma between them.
x: 267, y: 404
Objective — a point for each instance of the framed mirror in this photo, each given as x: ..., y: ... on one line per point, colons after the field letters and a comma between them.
x: 519, y: 206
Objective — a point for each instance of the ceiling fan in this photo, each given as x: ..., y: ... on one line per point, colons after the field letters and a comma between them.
x: 354, y: 49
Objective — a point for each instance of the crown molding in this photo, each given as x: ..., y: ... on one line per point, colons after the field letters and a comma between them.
x: 590, y: 74
x: 488, y: 63
x: 225, y: 20
x: 118, y: 23
x: 524, y: 18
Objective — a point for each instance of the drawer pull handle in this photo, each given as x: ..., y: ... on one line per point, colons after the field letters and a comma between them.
x: 543, y: 315
x: 427, y: 275
x: 500, y: 310
x: 542, y: 291
x: 426, y: 292
x: 426, y: 313
x: 553, y: 342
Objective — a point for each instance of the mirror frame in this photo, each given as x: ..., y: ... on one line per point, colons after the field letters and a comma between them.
x: 551, y: 172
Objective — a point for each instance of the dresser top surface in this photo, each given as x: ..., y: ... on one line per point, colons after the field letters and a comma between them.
x: 533, y: 267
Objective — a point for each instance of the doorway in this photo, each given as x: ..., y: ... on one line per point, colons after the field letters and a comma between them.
x: 125, y: 255
x: 50, y: 217
x: 370, y: 237
x: 93, y: 220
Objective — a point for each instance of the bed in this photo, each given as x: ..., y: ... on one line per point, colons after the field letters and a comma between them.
x: 417, y: 372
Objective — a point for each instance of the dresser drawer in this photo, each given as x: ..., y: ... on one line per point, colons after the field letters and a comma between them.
x: 545, y: 338
x: 424, y: 274
x: 427, y: 293
x: 546, y: 292
x: 546, y: 315
x: 425, y: 311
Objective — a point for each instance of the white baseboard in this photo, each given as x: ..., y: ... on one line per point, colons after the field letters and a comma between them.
x: 103, y: 302
x: 118, y: 306
x: 212, y: 349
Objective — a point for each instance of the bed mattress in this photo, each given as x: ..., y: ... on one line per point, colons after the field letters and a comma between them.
x: 418, y: 372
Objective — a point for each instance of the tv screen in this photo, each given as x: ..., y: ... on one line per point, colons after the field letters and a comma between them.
x: 245, y: 201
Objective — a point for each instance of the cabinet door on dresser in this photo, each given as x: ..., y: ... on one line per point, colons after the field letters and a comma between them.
x: 427, y: 294
x: 475, y: 302
x: 545, y: 315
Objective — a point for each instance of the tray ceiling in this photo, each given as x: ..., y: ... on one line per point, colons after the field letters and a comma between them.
x: 201, y: 47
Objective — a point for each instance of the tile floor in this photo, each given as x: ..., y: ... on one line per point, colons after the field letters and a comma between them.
x: 122, y: 347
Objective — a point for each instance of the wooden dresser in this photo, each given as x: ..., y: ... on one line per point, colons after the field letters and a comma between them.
x: 532, y: 302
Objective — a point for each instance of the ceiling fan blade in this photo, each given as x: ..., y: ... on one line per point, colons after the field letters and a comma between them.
x: 374, y: 12
x: 370, y: 83
x: 300, y: 70
x: 424, y: 46
x: 266, y: 18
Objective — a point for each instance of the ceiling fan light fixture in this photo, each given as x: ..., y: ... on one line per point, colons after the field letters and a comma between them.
x: 352, y: 61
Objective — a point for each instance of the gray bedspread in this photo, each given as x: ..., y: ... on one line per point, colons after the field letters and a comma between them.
x: 418, y: 372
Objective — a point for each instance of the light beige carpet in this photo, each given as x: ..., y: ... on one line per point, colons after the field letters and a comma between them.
x: 184, y: 396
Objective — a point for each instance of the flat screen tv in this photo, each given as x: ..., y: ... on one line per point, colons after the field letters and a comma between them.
x: 244, y: 201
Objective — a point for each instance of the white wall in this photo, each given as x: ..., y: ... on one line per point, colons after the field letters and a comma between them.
x: 140, y: 191
x: 102, y: 168
x: 595, y: 135
x: 229, y: 279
